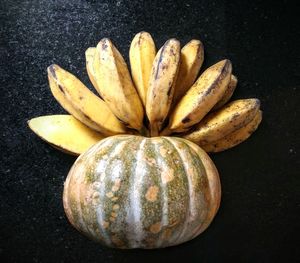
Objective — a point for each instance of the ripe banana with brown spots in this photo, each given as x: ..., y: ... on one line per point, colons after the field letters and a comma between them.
x: 115, y: 86
x: 192, y: 56
x: 235, y: 137
x: 226, y: 120
x: 228, y: 93
x: 161, y: 84
x: 83, y: 104
x: 141, y: 54
x: 200, y: 98
x: 58, y: 94
x: 89, y: 58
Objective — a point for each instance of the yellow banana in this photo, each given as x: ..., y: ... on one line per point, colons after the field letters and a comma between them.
x: 142, y: 53
x: 228, y: 93
x: 192, y: 56
x: 58, y: 94
x: 200, y: 98
x: 65, y: 133
x: 229, y: 118
x: 83, y: 104
x: 161, y: 84
x: 235, y: 137
x: 115, y: 86
x: 89, y: 58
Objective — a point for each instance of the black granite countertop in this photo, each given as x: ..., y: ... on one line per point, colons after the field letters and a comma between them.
x: 259, y: 216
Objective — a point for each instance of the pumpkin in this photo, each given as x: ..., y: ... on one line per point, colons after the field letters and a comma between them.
x: 130, y: 191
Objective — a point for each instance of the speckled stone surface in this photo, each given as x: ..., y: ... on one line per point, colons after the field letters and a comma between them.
x: 259, y: 216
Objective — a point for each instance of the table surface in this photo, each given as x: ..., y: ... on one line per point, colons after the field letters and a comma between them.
x: 259, y: 216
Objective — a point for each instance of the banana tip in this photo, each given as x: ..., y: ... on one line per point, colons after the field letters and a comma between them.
x: 51, y: 70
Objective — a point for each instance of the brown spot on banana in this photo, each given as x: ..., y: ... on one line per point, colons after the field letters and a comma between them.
x: 61, y: 88
x: 186, y: 120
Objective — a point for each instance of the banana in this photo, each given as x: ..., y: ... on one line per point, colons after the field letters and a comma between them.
x: 58, y: 94
x: 228, y: 93
x: 115, y: 86
x: 89, y: 58
x: 141, y: 54
x: 200, y: 98
x: 192, y: 56
x: 83, y: 104
x: 161, y: 84
x: 235, y: 137
x: 218, y: 124
x: 65, y: 133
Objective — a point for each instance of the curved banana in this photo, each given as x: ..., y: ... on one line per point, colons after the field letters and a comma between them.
x: 228, y: 93
x: 83, y: 104
x: 161, y: 84
x: 200, y: 98
x: 192, y: 56
x: 89, y: 59
x: 65, y: 133
x: 141, y: 54
x: 218, y: 124
x: 115, y: 86
x: 59, y: 95
x: 235, y: 137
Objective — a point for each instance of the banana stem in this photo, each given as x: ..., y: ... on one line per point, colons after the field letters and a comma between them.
x: 166, y: 132
x: 144, y: 131
x: 154, y: 130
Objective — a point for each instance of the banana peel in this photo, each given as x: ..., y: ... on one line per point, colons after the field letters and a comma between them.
x: 65, y: 133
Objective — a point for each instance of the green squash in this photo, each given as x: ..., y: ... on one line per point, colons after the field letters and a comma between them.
x: 134, y: 192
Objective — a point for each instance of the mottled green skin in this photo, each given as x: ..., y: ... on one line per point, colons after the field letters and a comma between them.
x: 130, y: 191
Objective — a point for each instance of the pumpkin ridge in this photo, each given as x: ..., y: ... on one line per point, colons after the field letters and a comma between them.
x: 82, y: 208
x: 183, y: 159
x: 90, y: 194
x: 78, y: 199
x: 102, y: 221
x: 164, y: 191
x: 121, y: 147
x: 214, y: 188
x: 134, y: 201
x: 174, y: 151
x: 66, y: 199
x: 205, y: 191
x: 151, y: 195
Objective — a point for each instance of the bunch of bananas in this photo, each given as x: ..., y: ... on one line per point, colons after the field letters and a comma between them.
x: 161, y: 97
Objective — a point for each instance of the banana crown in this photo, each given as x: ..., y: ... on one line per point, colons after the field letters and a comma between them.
x: 162, y: 94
